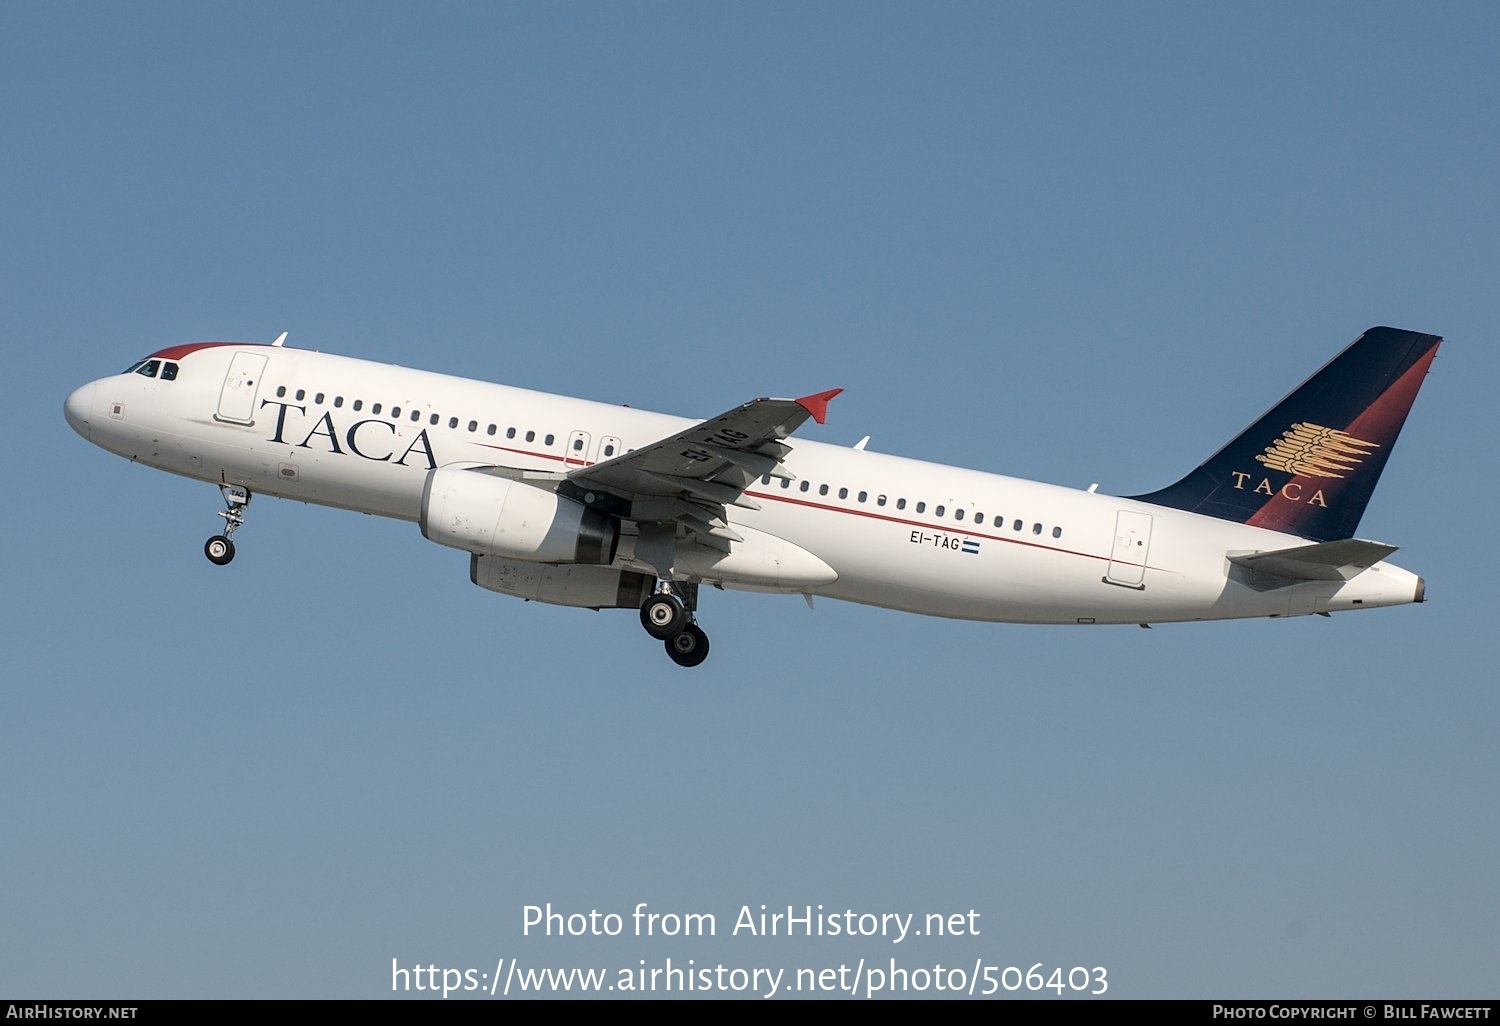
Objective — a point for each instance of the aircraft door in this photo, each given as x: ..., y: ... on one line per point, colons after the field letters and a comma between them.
x: 1127, y: 560
x: 577, y: 452
x: 237, y: 400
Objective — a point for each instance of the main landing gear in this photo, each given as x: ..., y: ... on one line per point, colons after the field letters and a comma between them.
x: 670, y: 616
x: 220, y: 548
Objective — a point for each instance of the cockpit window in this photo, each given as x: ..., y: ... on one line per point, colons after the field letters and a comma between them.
x: 165, y: 369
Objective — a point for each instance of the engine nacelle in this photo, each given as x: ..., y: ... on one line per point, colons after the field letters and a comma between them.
x: 495, y: 516
x: 592, y: 587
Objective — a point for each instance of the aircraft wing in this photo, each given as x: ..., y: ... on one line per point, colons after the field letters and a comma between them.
x: 691, y: 476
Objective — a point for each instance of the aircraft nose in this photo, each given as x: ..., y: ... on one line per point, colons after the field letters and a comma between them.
x: 79, y: 408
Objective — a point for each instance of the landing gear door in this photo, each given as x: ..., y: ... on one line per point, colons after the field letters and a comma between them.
x: 1127, y: 560
x: 237, y: 400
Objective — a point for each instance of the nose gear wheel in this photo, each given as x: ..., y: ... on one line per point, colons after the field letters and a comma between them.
x: 220, y: 548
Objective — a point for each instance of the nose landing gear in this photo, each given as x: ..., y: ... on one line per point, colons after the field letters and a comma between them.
x: 220, y: 548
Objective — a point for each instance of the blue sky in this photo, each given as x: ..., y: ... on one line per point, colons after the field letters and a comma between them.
x: 1077, y: 242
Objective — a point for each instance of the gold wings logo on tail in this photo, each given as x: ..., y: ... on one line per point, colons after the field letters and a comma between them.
x: 1316, y: 451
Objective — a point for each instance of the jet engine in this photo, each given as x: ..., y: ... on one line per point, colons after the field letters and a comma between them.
x: 495, y: 516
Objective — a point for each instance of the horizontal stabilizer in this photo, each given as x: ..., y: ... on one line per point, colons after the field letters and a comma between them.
x: 1326, y: 561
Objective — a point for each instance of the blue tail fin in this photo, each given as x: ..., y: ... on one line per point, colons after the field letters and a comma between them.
x: 1309, y: 465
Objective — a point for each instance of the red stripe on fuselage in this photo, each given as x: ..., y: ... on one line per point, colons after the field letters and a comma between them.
x: 943, y: 528
x: 886, y: 518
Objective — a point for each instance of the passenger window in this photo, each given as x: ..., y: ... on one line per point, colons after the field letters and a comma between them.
x: 531, y: 436
x: 822, y: 489
x: 473, y: 426
x: 958, y: 514
x: 921, y: 507
x: 318, y: 399
x: 863, y: 496
x: 843, y: 493
x: 786, y: 483
x: 805, y: 485
x: 547, y: 441
x: 338, y: 402
x: 1057, y: 532
x: 453, y: 422
x: 979, y: 519
x: 301, y: 394
x: 510, y: 432
x: 281, y: 391
x: 609, y: 450
x: 880, y: 500
x: 938, y: 511
x: 433, y: 420
x: 358, y: 405
x: 1036, y: 528
x: 492, y: 429
x: 578, y: 445
x: 395, y: 413
x: 416, y: 415
x: 169, y: 372
x: 900, y: 503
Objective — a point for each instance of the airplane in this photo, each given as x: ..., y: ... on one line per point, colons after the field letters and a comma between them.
x: 580, y: 503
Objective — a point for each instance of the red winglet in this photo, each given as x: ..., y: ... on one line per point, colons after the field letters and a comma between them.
x: 817, y: 405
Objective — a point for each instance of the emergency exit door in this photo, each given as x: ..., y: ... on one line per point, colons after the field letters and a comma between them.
x: 1127, y: 560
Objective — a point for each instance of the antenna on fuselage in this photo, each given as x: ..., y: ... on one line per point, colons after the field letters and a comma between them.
x: 280, y: 339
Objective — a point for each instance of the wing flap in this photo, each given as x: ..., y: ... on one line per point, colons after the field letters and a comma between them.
x: 755, y: 463
x: 709, y: 491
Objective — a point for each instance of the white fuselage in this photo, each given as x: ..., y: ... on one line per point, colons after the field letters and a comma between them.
x: 898, y: 533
